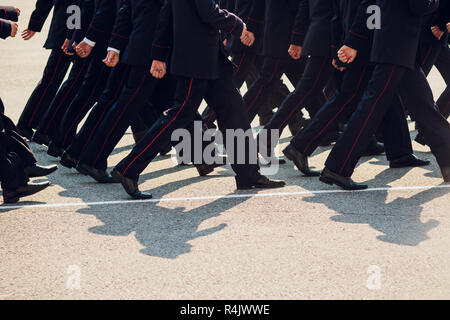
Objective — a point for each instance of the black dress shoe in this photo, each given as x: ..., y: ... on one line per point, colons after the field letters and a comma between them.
x: 345, y: 183
x: 205, y: 169
x: 421, y: 139
x: 54, y: 150
x: 28, y: 190
x: 68, y: 161
x: 40, y: 138
x: 300, y: 160
x: 446, y: 174
x: 262, y: 183
x: 374, y: 149
x: 26, y: 133
x: 409, y: 161
x: 98, y: 175
x: 130, y: 186
x: 40, y: 171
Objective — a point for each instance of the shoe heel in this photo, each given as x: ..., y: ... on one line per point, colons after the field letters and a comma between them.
x: 326, y: 181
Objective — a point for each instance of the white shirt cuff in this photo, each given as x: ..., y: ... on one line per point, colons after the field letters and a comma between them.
x: 113, y: 49
x: 89, y: 42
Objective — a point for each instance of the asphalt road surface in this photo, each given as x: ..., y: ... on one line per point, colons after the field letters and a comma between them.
x: 201, y: 239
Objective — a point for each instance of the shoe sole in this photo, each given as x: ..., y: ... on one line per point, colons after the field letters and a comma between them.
x: 306, y: 174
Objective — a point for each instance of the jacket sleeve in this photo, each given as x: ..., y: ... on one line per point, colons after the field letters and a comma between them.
x: 359, y: 35
x: 8, y: 13
x: 255, y: 20
x: 220, y: 19
x: 87, y: 14
x: 301, y: 22
x: 122, y: 27
x: 5, y: 28
x: 100, y: 25
x: 164, y: 34
x: 40, y: 14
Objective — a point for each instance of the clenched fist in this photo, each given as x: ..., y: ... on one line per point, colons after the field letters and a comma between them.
x: 247, y: 37
x: 27, y: 34
x: 112, y: 59
x: 295, y: 51
x: 347, y: 54
x: 158, y: 69
x: 83, y: 49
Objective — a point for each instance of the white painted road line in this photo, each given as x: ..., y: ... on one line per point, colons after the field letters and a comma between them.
x: 232, y: 196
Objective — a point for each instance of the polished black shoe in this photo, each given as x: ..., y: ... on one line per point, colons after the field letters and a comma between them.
x: 374, y: 149
x: 262, y: 183
x: 40, y: 171
x: 28, y: 190
x: 98, y: 175
x: 41, y: 138
x: 205, y: 169
x: 409, y: 161
x: 421, y: 139
x: 300, y: 160
x: 345, y: 183
x: 54, y: 150
x: 68, y: 161
x: 130, y: 186
x: 446, y: 174
x: 26, y: 133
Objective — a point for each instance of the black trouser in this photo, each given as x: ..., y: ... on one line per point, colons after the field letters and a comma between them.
x: 386, y: 82
x: 343, y: 103
x: 272, y: 70
x: 139, y: 86
x: 317, y: 72
x: 435, y: 54
x: 12, y: 175
x: 105, y: 103
x: 50, y: 122
x: 248, y: 66
x: 88, y: 94
x: 57, y: 65
x: 220, y: 94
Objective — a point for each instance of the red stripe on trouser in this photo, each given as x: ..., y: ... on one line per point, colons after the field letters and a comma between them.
x: 264, y: 85
x: 338, y: 113
x: 240, y: 63
x: 367, y: 120
x: 118, y: 119
x: 174, y: 118
x: 306, y: 95
x: 104, y: 111
x: 45, y: 90
x: 65, y: 97
x: 94, y: 90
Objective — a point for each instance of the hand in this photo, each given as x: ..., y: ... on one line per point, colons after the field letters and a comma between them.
x: 225, y: 42
x: 18, y: 12
x: 65, y: 47
x: 335, y: 65
x: 83, y: 49
x: 14, y: 27
x: 158, y: 69
x: 247, y: 37
x: 437, y: 32
x: 295, y: 51
x: 347, y: 54
x: 112, y: 59
x: 448, y: 27
x: 27, y: 34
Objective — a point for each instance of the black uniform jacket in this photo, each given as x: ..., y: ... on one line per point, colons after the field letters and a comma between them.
x: 192, y: 29
x: 397, y: 40
x: 58, y: 27
x: 134, y: 30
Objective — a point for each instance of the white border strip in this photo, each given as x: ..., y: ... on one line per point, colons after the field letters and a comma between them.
x: 233, y: 196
